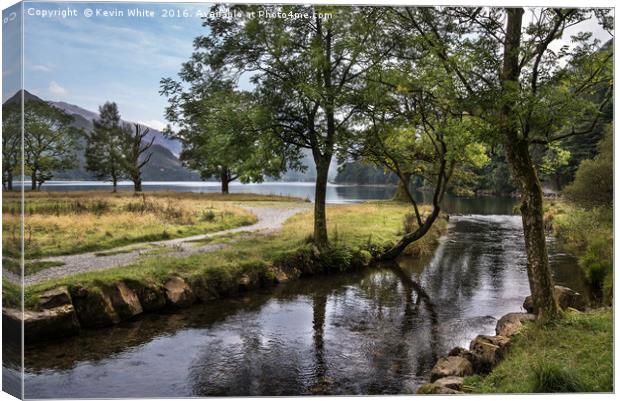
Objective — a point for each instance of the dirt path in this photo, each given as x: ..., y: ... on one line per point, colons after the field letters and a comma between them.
x: 269, y: 219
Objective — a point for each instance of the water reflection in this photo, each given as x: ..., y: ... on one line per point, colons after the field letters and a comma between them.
x: 373, y: 332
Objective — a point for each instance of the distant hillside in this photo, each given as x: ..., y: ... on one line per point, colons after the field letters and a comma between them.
x: 163, y: 166
x: 363, y: 174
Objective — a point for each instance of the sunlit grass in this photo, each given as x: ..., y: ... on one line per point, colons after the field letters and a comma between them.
x: 69, y: 223
x: 351, y: 227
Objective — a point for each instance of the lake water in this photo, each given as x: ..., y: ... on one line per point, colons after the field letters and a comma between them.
x: 305, y: 190
x: 373, y: 332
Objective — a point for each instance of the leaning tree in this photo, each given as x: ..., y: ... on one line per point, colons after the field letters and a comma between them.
x: 534, y: 83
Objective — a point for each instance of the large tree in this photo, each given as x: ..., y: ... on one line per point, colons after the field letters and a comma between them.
x: 224, y: 131
x: 104, y: 149
x: 11, y: 142
x: 133, y: 154
x: 531, y: 91
x: 50, y: 141
x: 306, y: 69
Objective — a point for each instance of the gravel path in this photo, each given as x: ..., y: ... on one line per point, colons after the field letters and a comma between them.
x: 270, y: 219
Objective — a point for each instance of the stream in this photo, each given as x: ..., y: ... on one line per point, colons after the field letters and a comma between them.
x: 373, y: 332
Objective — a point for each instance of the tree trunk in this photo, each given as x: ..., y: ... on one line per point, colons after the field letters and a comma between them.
x: 320, y: 218
x: 409, y: 238
x: 224, y: 179
x: 137, y: 184
x: 401, y: 194
x: 33, y: 178
x: 9, y: 180
x: 114, y: 182
x: 524, y: 173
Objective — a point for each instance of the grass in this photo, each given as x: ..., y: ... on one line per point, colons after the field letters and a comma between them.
x: 353, y: 229
x: 69, y: 223
x: 574, y: 354
x: 30, y: 267
x: 588, y: 234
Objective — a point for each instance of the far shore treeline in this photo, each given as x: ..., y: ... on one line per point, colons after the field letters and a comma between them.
x: 445, y: 99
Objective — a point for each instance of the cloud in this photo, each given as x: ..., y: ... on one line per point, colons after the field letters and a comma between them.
x: 40, y: 68
x: 56, y: 90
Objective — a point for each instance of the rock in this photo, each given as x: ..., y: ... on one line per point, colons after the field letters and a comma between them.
x: 567, y: 298
x: 124, y: 301
x: 93, y: 307
x: 244, y: 282
x: 151, y: 296
x: 528, y: 304
x: 451, y: 366
x: 462, y: 352
x: 43, y: 325
x: 201, y: 288
x: 564, y: 296
x: 178, y: 293
x: 432, y: 388
x: 279, y: 276
x: 510, y: 324
x: 489, y: 351
x: 451, y: 382
x: 55, y: 297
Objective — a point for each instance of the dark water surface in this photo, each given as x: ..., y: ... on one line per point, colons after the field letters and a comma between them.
x: 374, y: 332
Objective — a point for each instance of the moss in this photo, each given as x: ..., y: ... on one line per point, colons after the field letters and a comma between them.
x: 573, y: 354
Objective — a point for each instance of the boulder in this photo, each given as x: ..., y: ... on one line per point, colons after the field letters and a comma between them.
x: 462, y: 352
x: 151, y: 296
x: 43, y: 325
x: 567, y: 298
x: 489, y: 351
x: 55, y: 297
x: 432, y: 388
x: 244, y: 282
x: 202, y: 288
x: 124, y: 300
x: 451, y: 382
x: 510, y: 324
x: 93, y: 307
x: 451, y: 366
x: 564, y: 296
x: 178, y: 293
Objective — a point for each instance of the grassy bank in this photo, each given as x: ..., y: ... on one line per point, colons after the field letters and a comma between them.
x: 588, y: 234
x: 574, y: 354
x: 69, y: 223
x: 356, y: 232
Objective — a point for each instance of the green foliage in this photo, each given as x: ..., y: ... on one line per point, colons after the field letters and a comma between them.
x: 587, y: 233
x: 593, y: 184
x: 572, y: 354
x: 11, y: 142
x: 223, y: 131
x: 104, y: 149
x: 50, y: 141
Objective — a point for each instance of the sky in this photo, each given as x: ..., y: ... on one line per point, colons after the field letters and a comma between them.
x: 87, y: 60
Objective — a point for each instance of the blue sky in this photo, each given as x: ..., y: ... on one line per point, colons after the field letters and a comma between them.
x: 86, y: 61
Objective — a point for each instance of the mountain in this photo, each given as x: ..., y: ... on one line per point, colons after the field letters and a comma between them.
x: 163, y: 166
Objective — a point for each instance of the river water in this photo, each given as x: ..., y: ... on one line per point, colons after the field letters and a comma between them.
x: 373, y: 332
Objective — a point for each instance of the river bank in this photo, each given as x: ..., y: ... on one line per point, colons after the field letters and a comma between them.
x: 62, y: 306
